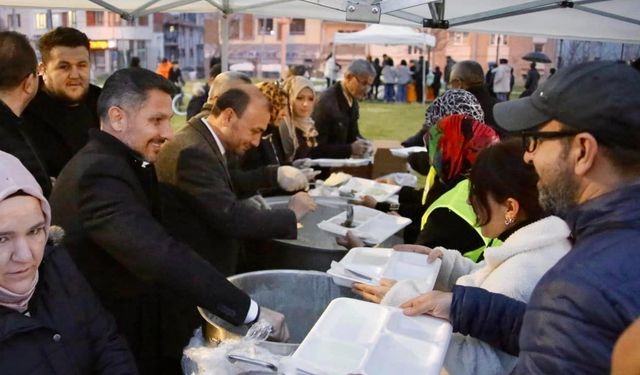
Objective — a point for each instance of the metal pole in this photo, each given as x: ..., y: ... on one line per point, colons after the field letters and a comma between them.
x: 224, y: 55
x: 424, y: 67
x: 622, y: 52
x: 560, y: 54
x: 497, y: 48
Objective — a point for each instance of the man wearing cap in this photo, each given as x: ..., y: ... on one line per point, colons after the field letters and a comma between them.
x: 581, y: 131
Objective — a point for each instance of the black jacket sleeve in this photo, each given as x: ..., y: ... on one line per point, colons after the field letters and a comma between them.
x: 491, y: 317
x: 115, y: 220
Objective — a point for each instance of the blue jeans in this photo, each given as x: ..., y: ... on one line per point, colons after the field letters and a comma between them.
x: 501, y: 96
x: 389, y: 93
x: 401, y: 95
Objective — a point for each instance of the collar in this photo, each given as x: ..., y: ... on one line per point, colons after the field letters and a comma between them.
x: 117, y: 145
x: 223, y: 151
x: 346, y: 94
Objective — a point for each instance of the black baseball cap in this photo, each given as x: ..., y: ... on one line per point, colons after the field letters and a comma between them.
x: 601, y: 98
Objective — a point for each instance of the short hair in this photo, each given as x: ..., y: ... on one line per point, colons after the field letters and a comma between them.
x: 500, y: 171
x: 504, y: 61
x: 129, y: 88
x: 224, y: 80
x: 361, y: 67
x: 469, y: 72
x: 61, y: 36
x: 215, y: 70
x: 17, y: 59
x: 236, y: 99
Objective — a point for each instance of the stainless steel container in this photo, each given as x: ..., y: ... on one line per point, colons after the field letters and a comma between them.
x: 301, y: 296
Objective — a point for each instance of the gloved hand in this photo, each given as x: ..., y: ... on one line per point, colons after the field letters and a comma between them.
x: 292, y: 179
x: 280, y: 331
x: 301, y: 163
x: 359, y: 148
x: 310, y: 173
x: 301, y: 203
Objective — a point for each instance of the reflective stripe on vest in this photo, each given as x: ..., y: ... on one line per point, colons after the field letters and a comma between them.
x: 428, y: 184
x: 456, y: 200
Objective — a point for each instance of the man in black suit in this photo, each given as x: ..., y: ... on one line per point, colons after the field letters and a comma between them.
x: 106, y: 200
x: 200, y: 194
x: 18, y: 86
x: 58, y: 119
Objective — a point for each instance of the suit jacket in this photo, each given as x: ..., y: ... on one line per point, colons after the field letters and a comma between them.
x: 106, y: 200
x: 201, y: 206
x: 57, y: 130
x: 337, y: 124
x: 14, y: 141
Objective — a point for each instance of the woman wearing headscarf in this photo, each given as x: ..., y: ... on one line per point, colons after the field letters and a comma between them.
x: 298, y: 132
x: 51, y: 321
x: 270, y: 150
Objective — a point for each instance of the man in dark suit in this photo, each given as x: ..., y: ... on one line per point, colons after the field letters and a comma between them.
x: 106, y: 200
x: 18, y: 86
x: 58, y: 119
x: 199, y: 193
x: 337, y: 111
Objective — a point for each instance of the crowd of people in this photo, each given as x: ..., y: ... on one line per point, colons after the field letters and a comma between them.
x: 113, y: 228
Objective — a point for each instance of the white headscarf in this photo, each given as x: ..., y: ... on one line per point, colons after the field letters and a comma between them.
x: 293, y: 86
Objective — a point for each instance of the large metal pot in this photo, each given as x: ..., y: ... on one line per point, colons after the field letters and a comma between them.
x: 301, y: 296
x: 314, y: 249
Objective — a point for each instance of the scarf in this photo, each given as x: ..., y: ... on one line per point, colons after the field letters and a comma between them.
x: 15, y: 301
x: 454, y: 102
x: 305, y: 125
x: 454, y: 144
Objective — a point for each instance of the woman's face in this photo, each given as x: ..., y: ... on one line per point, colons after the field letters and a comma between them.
x: 22, y: 242
x: 303, y: 104
x: 494, y: 227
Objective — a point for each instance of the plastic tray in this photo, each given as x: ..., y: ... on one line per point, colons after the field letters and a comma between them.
x: 362, y: 186
x: 372, y: 226
x: 380, y: 263
x: 357, y: 337
x: 340, y: 162
x: 404, y: 152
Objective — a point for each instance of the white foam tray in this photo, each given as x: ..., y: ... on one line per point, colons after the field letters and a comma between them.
x: 372, y: 226
x: 404, y: 152
x: 358, y: 337
x: 362, y: 186
x: 340, y: 162
x: 380, y: 263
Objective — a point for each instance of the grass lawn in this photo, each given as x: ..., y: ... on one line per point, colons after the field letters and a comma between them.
x: 377, y: 120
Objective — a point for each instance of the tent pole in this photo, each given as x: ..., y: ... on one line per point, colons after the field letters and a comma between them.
x: 424, y: 67
x: 224, y: 55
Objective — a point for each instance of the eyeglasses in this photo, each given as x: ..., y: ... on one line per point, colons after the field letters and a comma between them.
x: 531, y: 140
x: 363, y: 84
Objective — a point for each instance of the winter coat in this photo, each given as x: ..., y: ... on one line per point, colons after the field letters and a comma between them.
x: 106, y: 200
x: 268, y: 152
x: 14, y: 141
x: 580, y: 306
x: 59, y: 131
x: 337, y: 124
x: 502, y: 79
x: 403, y: 75
x: 66, y: 331
x: 389, y: 75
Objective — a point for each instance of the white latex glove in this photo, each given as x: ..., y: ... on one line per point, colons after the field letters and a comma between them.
x: 310, y: 173
x: 301, y: 203
x: 280, y: 331
x: 292, y: 179
x: 301, y: 163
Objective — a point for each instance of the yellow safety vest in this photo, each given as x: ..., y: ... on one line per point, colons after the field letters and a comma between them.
x: 456, y: 200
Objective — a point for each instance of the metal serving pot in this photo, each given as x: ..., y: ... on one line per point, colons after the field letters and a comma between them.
x: 301, y: 296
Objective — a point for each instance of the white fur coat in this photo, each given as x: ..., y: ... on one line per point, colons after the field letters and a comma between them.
x: 512, y: 269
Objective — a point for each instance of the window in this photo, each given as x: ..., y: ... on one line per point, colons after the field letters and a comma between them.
x: 234, y: 27
x: 182, y: 52
x: 57, y: 20
x: 113, y: 19
x: 71, y: 19
x: 538, y: 47
x: 191, y: 53
x: 41, y: 21
x: 141, y: 44
x: 265, y: 26
x: 459, y: 38
x: 143, y: 21
x: 13, y: 20
x: 501, y: 37
x: 95, y: 18
x: 297, y: 26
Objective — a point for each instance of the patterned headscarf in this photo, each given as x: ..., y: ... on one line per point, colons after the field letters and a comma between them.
x: 276, y: 96
x: 454, y: 102
x: 454, y: 144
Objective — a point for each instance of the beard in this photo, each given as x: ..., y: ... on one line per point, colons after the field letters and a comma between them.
x: 559, y: 194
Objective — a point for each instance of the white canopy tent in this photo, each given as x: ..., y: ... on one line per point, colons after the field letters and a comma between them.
x: 603, y: 20
x: 388, y: 34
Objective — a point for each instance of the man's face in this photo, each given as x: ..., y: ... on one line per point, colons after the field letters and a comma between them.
x: 558, y: 186
x: 66, y: 73
x: 147, y: 128
x: 358, y: 86
x: 22, y: 241
x: 244, y: 132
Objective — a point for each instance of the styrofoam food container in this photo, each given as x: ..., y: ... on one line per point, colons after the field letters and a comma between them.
x: 340, y: 162
x: 359, y: 337
x: 404, y: 152
x: 380, y: 263
x: 362, y: 186
x: 371, y: 225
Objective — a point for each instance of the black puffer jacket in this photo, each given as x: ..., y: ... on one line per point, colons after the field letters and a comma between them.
x: 66, y: 331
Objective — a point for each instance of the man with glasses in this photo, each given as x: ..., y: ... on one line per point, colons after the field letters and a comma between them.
x: 336, y: 114
x: 581, y: 132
